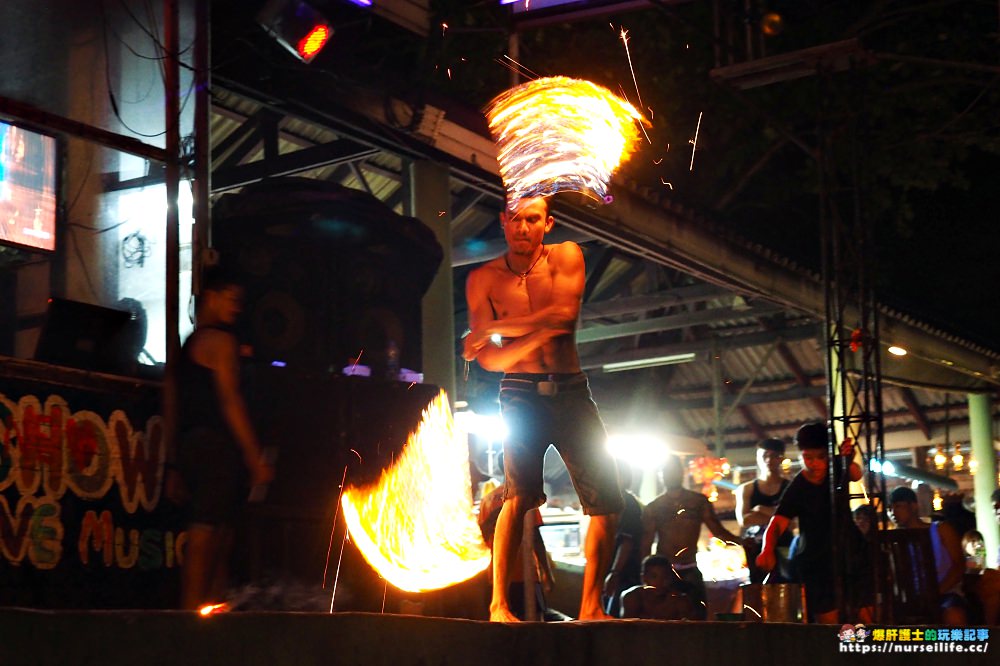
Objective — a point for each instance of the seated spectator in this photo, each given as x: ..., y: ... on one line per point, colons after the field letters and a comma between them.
x: 982, y: 582
x: 662, y: 595
x: 866, y: 519
x: 948, y: 557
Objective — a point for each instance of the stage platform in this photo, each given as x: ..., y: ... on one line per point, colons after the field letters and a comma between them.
x: 152, y: 638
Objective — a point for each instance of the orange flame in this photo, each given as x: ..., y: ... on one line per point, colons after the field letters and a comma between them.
x: 558, y: 133
x: 416, y: 526
x: 212, y: 609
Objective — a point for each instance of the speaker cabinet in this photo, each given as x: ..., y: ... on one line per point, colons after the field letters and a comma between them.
x: 332, y: 275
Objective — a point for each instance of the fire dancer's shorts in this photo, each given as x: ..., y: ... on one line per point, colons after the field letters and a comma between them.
x: 539, y: 410
x: 211, y: 465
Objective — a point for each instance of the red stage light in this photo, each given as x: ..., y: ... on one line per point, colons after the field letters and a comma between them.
x: 310, y: 45
x: 297, y: 26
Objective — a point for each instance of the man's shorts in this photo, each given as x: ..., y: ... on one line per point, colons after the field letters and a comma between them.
x: 211, y: 465
x: 539, y: 410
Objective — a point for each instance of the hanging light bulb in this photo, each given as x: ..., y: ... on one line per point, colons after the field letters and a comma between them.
x: 940, y: 459
x: 714, y: 495
x: 786, y: 465
x: 736, y: 475
x: 958, y: 460
x: 973, y: 465
x: 725, y: 467
x: 937, y: 502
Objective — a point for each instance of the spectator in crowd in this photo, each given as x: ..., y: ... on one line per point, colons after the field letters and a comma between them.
x: 674, y: 520
x: 661, y: 596
x: 626, y: 564
x: 948, y: 558
x: 757, y: 499
x: 809, y: 499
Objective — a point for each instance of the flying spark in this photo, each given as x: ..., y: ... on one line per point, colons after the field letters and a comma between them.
x: 624, y: 37
x: 657, y: 161
x: 694, y: 143
x: 329, y: 548
x: 558, y: 133
x: 667, y: 183
x: 750, y: 608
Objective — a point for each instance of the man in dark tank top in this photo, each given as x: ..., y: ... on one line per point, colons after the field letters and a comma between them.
x: 757, y: 499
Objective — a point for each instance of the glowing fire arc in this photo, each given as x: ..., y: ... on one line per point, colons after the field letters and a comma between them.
x: 415, y: 526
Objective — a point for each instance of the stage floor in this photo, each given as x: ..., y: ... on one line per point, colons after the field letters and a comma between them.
x: 150, y: 638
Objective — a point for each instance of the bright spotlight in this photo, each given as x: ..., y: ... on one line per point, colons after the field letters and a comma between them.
x: 642, y: 451
x: 486, y: 426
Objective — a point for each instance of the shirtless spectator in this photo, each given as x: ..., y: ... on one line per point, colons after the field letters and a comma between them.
x: 674, y: 520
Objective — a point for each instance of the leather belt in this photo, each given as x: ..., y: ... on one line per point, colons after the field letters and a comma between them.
x: 547, y: 385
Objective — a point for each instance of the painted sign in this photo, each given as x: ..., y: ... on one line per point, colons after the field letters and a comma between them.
x: 81, y: 517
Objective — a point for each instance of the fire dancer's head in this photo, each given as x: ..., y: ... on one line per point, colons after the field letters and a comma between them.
x: 525, y: 224
x: 221, y: 298
x: 770, y: 453
x: 813, y: 444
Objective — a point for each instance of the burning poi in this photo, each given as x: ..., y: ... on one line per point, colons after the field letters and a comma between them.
x: 557, y: 133
x: 416, y: 526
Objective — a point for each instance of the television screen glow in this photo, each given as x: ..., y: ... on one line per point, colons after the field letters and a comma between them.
x: 27, y: 188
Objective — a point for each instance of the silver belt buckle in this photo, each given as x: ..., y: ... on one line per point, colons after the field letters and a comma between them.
x: 548, y: 388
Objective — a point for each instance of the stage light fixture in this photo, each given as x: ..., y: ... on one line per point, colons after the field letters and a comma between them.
x: 297, y: 26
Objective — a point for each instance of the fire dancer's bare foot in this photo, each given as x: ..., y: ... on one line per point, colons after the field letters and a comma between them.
x: 502, y: 615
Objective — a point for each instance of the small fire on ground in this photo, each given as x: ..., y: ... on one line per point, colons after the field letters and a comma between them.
x: 213, y: 609
x: 416, y: 526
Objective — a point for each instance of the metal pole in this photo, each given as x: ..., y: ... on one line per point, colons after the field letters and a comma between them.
x: 981, y: 441
x: 171, y: 83
x: 202, y: 186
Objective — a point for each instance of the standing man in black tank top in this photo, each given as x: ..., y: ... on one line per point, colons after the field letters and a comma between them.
x: 757, y: 499
x: 218, y: 455
x: 530, y: 297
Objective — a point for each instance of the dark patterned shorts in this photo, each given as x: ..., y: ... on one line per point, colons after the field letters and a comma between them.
x: 539, y: 410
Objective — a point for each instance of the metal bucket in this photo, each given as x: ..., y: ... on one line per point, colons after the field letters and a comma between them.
x: 775, y: 602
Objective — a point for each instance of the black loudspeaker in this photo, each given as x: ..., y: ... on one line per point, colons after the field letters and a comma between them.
x: 332, y: 275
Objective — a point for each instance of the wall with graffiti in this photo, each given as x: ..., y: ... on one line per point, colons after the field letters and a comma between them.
x: 82, y: 520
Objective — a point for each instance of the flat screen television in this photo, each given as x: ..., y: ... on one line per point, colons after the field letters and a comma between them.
x: 27, y: 188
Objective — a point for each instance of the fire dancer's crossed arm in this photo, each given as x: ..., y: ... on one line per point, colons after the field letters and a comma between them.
x: 496, y: 308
